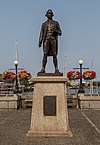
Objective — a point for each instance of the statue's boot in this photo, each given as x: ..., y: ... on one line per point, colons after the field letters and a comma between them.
x: 42, y: 71
x: 56, y: 70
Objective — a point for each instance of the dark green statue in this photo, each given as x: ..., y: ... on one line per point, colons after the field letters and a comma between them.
x: 49, y: 33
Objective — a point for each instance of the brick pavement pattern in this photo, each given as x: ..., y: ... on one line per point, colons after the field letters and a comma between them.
x: 14, y: 125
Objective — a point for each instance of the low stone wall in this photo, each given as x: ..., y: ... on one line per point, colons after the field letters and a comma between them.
x: 88, y: 101
x: 10, y: 101
x: 26, y: 101
x: 72, y: 100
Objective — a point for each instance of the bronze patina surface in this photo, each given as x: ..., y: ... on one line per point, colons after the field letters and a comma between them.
x: 50, y: 30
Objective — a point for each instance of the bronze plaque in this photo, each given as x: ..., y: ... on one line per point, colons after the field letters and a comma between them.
x: 49, y: 105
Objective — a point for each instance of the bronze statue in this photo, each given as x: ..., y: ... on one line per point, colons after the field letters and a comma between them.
x: 49, y: 33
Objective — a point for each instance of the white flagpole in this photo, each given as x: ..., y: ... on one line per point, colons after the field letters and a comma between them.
x: 17, y: 50
x: 17, y: 58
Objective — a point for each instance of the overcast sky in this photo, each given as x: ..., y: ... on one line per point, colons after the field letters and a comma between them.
x: 22, y: 20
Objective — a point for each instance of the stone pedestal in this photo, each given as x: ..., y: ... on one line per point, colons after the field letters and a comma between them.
x: 49, y: 112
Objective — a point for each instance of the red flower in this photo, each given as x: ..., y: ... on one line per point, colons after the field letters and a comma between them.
x: 88, y: 75
x: 72, y: 75
x: 24, y: 75
x: 8, y: 76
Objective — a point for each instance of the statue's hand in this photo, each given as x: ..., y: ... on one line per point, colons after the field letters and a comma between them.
x: 57, y: 33
x: 39, y: 44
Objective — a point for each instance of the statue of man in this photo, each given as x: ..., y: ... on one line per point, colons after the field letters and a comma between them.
x: 49, y: 33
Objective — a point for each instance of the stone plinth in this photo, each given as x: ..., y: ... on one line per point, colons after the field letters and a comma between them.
x: 9, y: 101
x: 49, y: 111
x: 49, y: 74
x: 88, y: 102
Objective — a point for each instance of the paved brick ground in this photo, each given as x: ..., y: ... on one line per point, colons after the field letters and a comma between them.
x: 85, y: 126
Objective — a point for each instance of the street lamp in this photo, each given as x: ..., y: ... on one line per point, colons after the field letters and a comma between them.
x: 16, y: 85
x: 81, y: 85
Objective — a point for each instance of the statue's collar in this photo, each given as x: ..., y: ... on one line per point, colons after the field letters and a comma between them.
x: 49, y: 20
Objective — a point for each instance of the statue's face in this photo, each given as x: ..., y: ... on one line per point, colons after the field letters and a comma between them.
x: 49, y: 15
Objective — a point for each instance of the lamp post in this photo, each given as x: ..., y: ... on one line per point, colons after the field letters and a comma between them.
x: 16, y: 85
x: 81, y: 85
